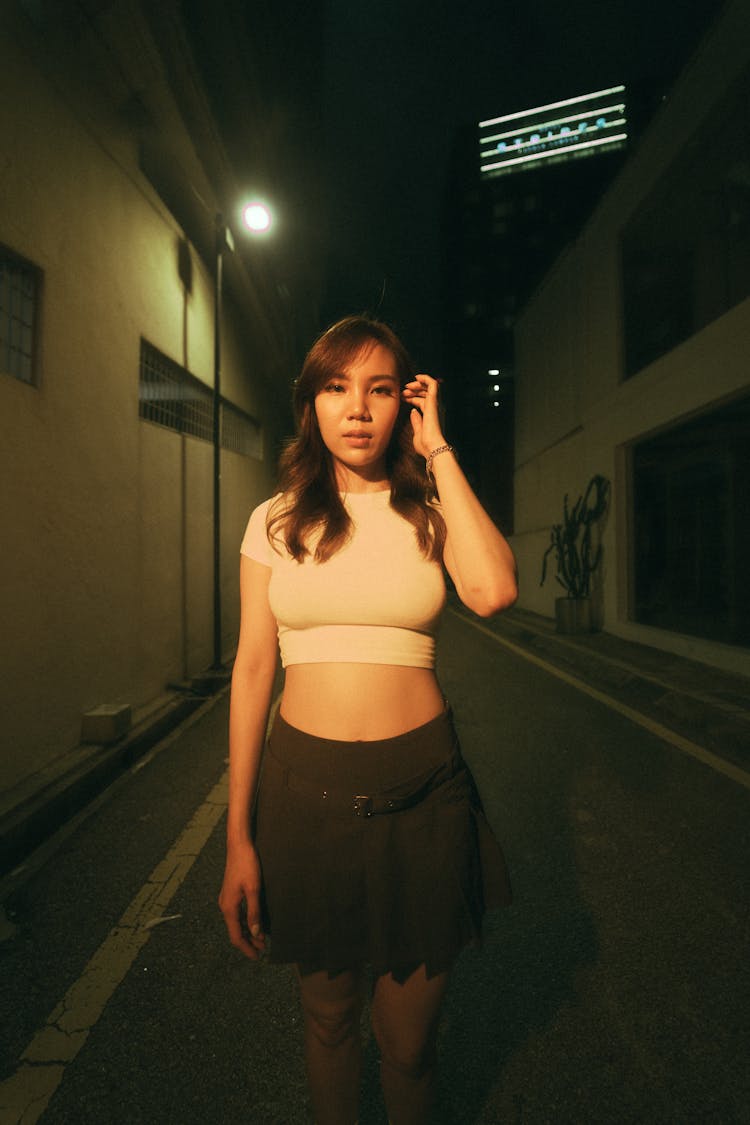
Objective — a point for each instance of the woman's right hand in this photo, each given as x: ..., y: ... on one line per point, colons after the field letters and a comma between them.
x: 239, y: 899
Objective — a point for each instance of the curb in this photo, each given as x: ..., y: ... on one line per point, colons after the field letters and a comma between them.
x: 695, y: 701
x: 46, y: 808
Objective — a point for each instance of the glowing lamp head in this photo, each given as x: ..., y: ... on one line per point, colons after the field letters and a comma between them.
x: 256, y: 217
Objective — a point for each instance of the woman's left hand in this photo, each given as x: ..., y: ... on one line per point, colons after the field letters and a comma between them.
x: 422, y: 394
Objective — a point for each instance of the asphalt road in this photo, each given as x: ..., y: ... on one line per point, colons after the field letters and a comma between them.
x: 614, y: 990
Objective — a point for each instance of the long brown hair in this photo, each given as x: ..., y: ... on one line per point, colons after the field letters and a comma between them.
x: 310, y: 501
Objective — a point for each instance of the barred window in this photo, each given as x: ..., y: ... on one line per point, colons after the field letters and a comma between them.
x: 240, y: 432
x: 20, y: 284
x: 170, y: 396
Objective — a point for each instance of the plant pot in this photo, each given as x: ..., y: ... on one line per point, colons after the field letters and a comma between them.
x: 573, y: 615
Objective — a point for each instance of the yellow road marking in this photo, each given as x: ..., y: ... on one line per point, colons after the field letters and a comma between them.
x: 736, y: 773
x: 25, y: 1095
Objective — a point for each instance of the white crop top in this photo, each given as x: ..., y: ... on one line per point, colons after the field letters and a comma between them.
x: 378, y: 600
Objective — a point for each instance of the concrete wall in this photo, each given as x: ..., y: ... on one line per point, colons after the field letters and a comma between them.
x: 106, y: 562
x: 576, y: 415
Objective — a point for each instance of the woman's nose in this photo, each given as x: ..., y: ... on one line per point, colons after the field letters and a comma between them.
x: 358, y: 407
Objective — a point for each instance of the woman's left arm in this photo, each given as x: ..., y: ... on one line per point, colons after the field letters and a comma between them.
x: 477, y: 556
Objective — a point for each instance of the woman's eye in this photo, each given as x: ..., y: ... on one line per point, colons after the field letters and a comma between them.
x: 334, y: 388
x: 384, y: 389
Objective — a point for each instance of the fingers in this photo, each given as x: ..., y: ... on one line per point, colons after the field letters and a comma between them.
x: 416, y: 425
x: 257, y: 937
x: 421, y: 394
x: 240, y: 941
x: 250, y: 944
x: 421, y: 388
x: 242, y: 919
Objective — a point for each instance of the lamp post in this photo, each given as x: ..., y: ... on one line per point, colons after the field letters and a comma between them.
x: 222, y: 241
x: 257, y: 219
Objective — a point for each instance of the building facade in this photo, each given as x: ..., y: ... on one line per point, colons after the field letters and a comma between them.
x: 631, y: 362
x: 113, y: 174
x: 517, y: 197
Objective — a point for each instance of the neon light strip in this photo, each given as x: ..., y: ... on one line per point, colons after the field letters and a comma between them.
x: 575, y: 139
x: 572, y: 135
x: 553, y: 152
x: 553, y: 105
x: 549, y: 124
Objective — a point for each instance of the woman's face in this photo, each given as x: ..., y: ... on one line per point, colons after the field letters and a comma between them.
x: 356, y: 411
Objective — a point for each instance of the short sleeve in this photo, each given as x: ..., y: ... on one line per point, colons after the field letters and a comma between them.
x: 255, y: 540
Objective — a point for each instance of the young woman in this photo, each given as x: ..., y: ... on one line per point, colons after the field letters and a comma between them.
x: 367, y: 845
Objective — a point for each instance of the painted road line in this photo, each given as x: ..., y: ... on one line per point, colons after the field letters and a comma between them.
x: 713, y: 761
x: 25, y: 1095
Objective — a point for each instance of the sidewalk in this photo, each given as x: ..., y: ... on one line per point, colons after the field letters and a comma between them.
x: 696, y: 701
x: 33, y: 811
x: 701, y: 703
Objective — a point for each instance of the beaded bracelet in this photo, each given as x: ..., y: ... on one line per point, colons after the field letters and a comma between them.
x: 434, y: 454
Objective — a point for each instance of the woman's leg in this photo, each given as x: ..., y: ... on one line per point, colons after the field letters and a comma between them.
x: 405, y: 1020
x: 332, y: 1008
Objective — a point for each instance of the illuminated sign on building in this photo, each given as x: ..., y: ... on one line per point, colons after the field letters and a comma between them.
x: 559, y: 131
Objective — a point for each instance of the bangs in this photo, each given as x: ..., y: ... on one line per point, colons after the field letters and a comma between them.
x: 341, y: 344
x: 337, y: 354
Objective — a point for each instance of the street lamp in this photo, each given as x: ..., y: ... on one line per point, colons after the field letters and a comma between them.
x: 257, y: 219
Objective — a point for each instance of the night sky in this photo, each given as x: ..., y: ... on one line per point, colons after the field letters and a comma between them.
x: 349, y: 111
x: 402, y: 77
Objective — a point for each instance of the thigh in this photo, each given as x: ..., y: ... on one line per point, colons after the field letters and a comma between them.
x: 405, y: 1015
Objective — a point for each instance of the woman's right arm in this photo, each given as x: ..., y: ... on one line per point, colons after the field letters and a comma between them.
x: 252, y: 684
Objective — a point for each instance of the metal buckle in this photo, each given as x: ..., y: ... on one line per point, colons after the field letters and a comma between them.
x: 362, y: 806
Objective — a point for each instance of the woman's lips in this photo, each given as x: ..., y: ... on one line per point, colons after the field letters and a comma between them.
x: 358, y: 438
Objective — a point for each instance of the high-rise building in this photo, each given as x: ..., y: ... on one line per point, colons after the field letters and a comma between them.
x: 514, y: 203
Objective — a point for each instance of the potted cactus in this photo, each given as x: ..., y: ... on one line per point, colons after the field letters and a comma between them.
x: 577, y: 556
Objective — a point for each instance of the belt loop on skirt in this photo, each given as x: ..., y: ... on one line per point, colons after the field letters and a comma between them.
x: 366, y: 805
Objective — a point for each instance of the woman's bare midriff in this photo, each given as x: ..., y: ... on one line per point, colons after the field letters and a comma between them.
x: 359, y: 702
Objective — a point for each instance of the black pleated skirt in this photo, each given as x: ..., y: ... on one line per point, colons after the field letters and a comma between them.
x: 346, y: 880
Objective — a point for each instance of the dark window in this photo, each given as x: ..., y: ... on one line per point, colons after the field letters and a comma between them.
x: 691, y: 499
x: 686, y: 251
x: 658, y: 303
x: 20, y: 283
x: 170, y: 396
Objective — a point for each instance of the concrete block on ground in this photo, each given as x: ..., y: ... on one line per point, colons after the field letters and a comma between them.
x: 106, y: 723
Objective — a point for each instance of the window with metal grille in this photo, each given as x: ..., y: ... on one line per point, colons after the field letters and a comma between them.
x: 20, y: 284
x: 170, y: 396
x: 240, y: 432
